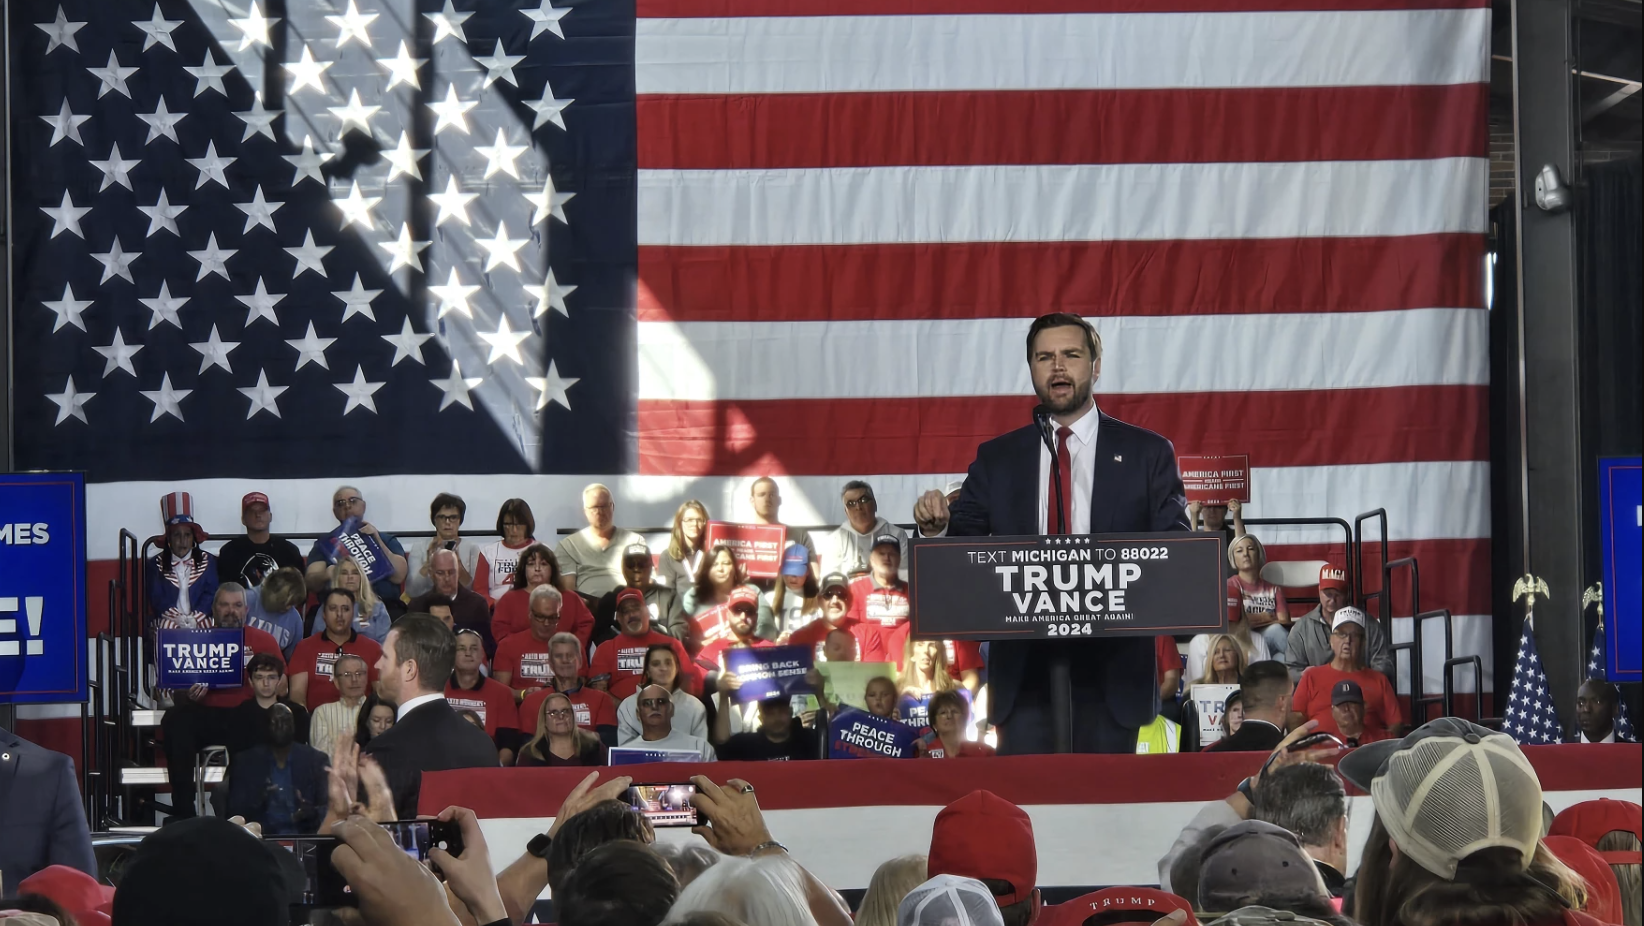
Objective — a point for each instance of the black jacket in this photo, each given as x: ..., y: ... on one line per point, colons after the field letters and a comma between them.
x: 1253, y: 736
x: 1137, y: 489
x: 248, y: 784
x: 42, y: 820
x: 431, y: 738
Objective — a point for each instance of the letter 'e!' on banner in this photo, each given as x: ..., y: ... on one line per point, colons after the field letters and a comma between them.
x: 215, y: 658
x: 858, y: 734
x: 758, y: 547
x: 1215, y: 479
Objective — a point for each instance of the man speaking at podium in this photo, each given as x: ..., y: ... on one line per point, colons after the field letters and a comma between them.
x: 1115, y: 478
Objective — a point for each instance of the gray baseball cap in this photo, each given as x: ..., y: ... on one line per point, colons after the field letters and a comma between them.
x: 1256, y: 862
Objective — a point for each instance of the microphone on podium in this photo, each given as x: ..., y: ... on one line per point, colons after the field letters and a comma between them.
x: 1047, y: 430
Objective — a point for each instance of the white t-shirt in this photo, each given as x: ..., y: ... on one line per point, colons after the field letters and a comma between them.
x: 680, y: 741
x: 1199, y: 650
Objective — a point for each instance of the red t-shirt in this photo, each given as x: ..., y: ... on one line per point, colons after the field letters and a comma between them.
x: 963, y: 655
x: 1257, y: 596
x: 1381, y: 702
x: 256, y: 642
x: 931, y: 748
x: 490, y: 699
x: 884, y: 614
x: 513, y: 615
x: 622, y: 658
x: 525, y: 659
x: 593, y: 708
x: 316, y: 655
x: 1168, y: 656
x: 869, y: 646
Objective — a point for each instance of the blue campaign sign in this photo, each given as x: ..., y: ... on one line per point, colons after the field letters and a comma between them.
x: 858, y: 734
x: 638, y: 755
x: 42, y: 587
x: 215, y: 658
x: 1621, y: 522
x: 770, y: 671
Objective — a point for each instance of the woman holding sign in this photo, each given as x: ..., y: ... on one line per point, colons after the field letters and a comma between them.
x: 950, y: 717
x: 719, y: 577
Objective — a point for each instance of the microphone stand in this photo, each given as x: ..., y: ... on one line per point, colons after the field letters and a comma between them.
x: 1061, y: 670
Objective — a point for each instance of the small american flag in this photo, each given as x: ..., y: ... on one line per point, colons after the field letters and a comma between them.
x: 1531, y: 718
x: 1597, y: 659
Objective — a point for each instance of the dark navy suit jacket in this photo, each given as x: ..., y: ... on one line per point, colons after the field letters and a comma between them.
x: 1137, y: 489
x: 42, y: 820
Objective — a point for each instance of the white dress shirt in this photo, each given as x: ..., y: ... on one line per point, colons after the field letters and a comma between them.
x: 415, y: 703
x: 1607, y: 739
x: 1081, y: 448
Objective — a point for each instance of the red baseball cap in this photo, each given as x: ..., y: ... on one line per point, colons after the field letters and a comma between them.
x: 253, y: 498
x: 73, y: 890
x: 630, y: 594
x: 1150, y: 901
x: 984, y: 836
x: 1589, y: 821
x: 742, y: 594
x: 1604, y: 896
x: 1333, y: 576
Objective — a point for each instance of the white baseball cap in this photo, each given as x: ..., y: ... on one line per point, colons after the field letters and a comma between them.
x: 1348, y: 615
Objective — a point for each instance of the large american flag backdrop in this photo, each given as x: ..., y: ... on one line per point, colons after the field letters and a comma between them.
x: 503, y: 247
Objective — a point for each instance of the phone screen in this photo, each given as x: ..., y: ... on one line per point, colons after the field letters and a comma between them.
x: 664, y: 805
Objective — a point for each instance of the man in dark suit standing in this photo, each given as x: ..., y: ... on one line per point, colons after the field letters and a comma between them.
x: 418, y: 655
x: 1115, y: 477
x: 42, y: 821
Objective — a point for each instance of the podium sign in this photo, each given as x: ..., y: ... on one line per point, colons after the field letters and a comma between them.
x: 43, y: 587
x: 1096, y: 585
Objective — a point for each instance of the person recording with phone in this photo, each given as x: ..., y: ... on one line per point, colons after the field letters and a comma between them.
x: 1113, y: 477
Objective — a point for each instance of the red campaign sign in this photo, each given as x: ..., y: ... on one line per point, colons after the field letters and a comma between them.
x: 758, y: 547
x: 1215, y: 479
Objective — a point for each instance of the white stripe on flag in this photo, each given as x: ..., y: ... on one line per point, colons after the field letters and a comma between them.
x: 1141, y: 354
x: 1059, y: 202
x: 843, y: 54
x: 843, y: 845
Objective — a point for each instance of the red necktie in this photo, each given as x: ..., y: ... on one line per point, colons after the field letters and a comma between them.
x: 1064, y: 462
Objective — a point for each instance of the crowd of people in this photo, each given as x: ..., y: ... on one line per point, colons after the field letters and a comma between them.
x: 564, y: 652
x: 1460, y: 835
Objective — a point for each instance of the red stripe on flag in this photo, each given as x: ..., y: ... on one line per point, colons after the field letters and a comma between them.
x: 1455, y: 574
x: 1028, y: 279
x: 716, y: 132
x: 940, y: 435
x: 696, y: 9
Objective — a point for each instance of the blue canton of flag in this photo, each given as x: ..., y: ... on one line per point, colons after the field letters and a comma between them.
x: 1597, y: 659
x: 1530, y: 717
x: 318, y: 236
